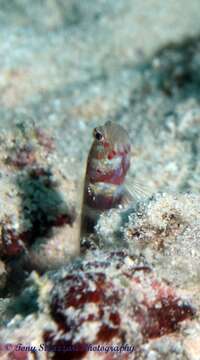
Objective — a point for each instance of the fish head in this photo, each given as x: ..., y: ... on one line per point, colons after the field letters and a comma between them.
x: 111, y: 137
x: 109, y: 157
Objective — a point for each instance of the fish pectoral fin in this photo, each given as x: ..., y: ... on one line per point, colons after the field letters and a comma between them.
x: 138, y: 191
x: 127, y: 198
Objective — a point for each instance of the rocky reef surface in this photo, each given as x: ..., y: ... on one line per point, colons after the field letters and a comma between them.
x: 67, y: 66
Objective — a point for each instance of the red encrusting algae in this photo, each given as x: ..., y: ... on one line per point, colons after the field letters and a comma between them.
x: 105, y: 296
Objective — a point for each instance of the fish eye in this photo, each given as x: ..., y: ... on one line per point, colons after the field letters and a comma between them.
x: 98, y: 135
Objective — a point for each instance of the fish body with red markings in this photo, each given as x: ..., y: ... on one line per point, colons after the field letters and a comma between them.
x: 107, y: 166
